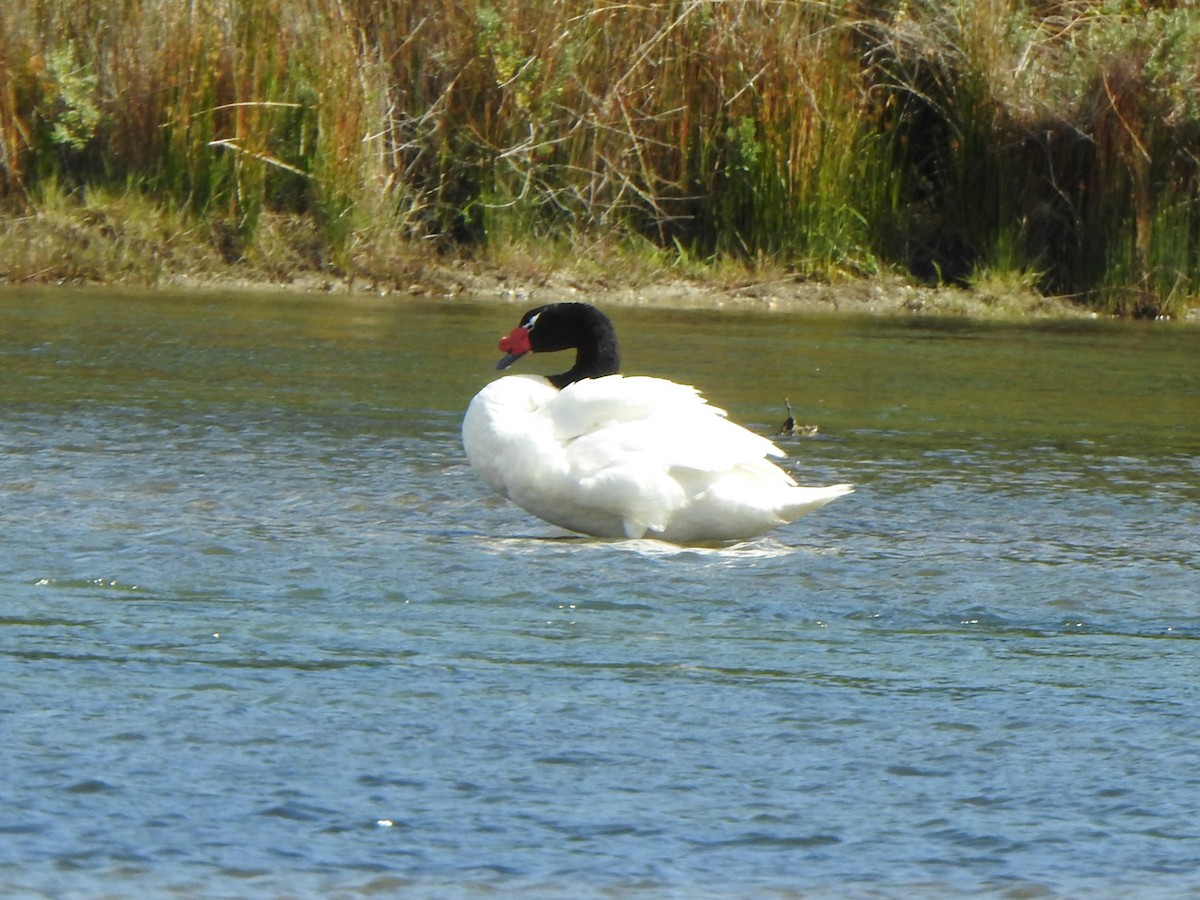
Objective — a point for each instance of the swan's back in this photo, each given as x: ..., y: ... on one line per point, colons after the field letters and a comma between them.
x: 620, y: 456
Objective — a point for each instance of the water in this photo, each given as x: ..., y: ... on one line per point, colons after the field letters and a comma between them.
x: 263, y: 634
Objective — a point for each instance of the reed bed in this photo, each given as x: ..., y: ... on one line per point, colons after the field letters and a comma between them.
x: 1056, y: 142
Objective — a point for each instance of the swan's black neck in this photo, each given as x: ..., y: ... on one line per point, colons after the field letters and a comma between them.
x: 561, y: 326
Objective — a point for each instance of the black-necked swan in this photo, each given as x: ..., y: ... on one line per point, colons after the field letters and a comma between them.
x: 621, y: 456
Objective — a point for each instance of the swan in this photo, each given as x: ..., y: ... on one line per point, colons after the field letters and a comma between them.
x: 622, y: 456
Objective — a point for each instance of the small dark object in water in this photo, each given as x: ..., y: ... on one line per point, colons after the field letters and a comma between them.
x: 791, y: 429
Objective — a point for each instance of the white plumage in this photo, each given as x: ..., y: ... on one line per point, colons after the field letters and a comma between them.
x: 632, y: 457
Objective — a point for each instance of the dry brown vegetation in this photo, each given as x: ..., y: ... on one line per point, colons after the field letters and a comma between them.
x: 1048, y: 144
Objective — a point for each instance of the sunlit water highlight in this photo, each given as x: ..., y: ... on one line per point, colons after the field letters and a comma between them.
x: 263, y: 633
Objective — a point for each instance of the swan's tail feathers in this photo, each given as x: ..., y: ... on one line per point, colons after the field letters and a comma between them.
x: 803, y: 500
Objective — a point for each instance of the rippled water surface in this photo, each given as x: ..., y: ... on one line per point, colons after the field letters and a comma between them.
x: 262, y: 633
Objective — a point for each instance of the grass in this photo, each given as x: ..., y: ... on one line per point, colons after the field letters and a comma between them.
x: 1053, y: 143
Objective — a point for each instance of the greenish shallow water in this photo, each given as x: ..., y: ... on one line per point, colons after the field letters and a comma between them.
x: 263, y: 633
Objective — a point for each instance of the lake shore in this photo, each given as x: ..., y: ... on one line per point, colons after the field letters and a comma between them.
x: 649, y: 150
x: 883, y: 296
x: 512, y: 284
x: 878, y: 296
x: 123, y: 245
x: 867, y: 296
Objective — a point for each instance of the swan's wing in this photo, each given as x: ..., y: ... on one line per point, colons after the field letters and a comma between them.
x: 654, y: 419
x: 634, y: 455
x: 644, y: 448
x: 593, y: 403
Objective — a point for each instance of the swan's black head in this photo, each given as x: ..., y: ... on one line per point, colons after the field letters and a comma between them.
x: 562, y: 326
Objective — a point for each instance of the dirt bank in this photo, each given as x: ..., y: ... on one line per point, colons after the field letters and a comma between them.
x: 879, y: 296
x: 127, y: 243
x: 487, y: 281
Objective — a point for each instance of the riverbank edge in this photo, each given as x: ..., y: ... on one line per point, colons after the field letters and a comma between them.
x: 481, y: 281
x: 880, y: 296
x: 533, y: 284
x: 108, y: 246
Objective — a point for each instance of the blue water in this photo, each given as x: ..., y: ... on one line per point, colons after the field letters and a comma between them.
x: 262, y: 632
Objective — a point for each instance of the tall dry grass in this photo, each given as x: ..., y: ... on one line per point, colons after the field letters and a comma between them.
x: 1061, y: 138
x: 1054, y: 139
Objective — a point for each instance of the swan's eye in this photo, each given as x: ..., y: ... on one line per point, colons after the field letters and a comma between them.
x: 532, y: 321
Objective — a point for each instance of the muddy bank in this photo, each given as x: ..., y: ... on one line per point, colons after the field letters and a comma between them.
x: 879, y: 296
x: 118, y: 246
x: 875, y: 296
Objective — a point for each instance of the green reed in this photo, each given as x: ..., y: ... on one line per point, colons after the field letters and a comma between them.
x: 835, y: 137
